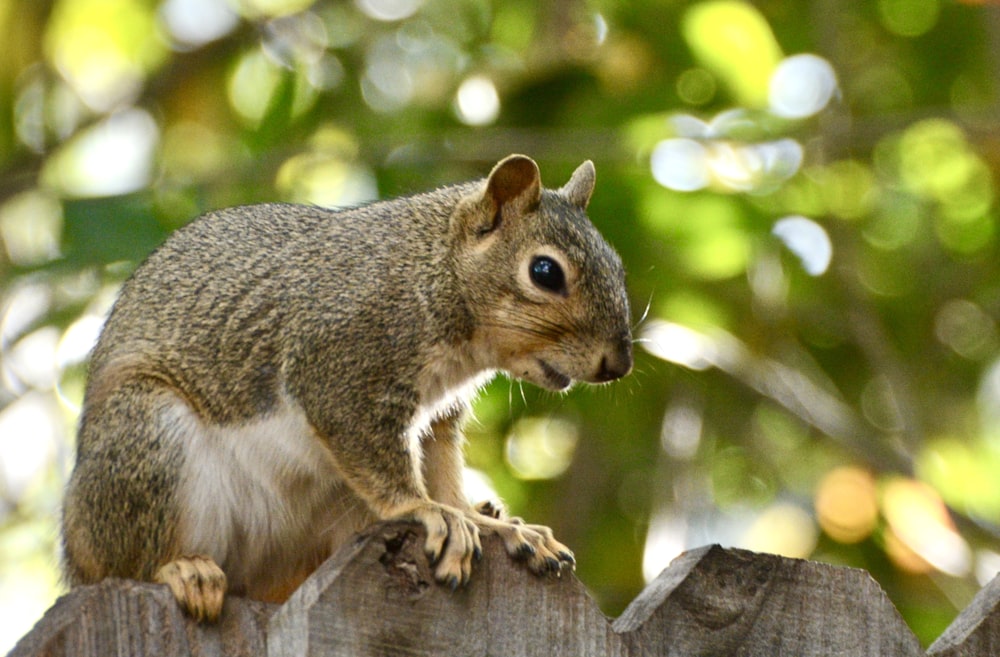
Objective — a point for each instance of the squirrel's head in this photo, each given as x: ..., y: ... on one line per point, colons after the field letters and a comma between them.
x: 547, y: 293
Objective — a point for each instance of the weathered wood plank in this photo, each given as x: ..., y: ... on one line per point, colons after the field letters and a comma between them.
x: 377, y: 596
x: 714, y: 601
x: 976, y: 631
x: 122, y: 617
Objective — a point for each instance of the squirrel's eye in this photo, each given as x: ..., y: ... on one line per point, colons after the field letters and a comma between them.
x: 547, y: 274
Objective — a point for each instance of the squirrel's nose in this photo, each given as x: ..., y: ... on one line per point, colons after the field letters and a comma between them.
x: 616, y: 361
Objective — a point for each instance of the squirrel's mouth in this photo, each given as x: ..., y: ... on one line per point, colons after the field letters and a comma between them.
x: 556, y: 379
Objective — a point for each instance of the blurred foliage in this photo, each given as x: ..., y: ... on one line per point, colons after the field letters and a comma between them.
x: 804, y: 194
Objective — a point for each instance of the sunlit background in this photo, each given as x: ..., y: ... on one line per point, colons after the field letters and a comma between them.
x: 803, y: 193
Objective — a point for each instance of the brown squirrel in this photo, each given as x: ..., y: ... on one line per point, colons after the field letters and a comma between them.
x: 276, y: 377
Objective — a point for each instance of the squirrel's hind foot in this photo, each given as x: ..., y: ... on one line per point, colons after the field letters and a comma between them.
x: 198, y: 583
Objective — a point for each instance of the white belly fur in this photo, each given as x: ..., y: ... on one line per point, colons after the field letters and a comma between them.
x: 263, y: 499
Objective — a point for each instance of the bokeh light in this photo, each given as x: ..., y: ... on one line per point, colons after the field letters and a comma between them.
x: 681, y: 431
x: 113, y: 157
x: 754, y: 167
x: 34, y: 414
x: 696, y: 86
x: 327, y: 180
x: 193, y: 23
x: 257, y: 79
x: 31, y: 228
x: 734, y: 41
x: 964, y: 473
x: 807, y: 240
x: 389, y: 10
x: 541, y: 448
x: 388, y: 83
x: 681, y: 165
x: 104, y: 48
x: 967, y: 329
x: 802, y: 85
x: 782, y: 528
x: 477, y: 101
x: 909, y: 18
x: 848, y: 189
x: 678, y: 344
x: 921, y: 535
x: 270, y: 8
x: 987, y: 566
x: 687, y: 165
x: 988, y: 397
x: 846, y: 504
x: 666, y: 539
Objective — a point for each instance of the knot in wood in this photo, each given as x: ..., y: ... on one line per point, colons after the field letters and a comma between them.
x: 407, y: 570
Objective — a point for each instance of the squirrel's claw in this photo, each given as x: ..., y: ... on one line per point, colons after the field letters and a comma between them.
x: 491, y: 509
x: 198, y: 584
x: 452, y: 542
x: 533, y: 544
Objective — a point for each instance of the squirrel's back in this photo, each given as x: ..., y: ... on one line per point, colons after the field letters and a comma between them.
x: 241, y: 285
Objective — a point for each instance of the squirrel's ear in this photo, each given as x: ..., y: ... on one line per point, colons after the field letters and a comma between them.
x: 515, y: 181
x: 581, y: 185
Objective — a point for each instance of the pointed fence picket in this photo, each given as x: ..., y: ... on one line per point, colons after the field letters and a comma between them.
x: 377, y: 597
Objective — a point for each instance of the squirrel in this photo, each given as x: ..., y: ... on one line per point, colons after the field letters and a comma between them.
x: 276, y: 377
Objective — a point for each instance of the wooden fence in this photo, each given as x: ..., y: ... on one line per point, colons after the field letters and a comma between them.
x: 377, y: 597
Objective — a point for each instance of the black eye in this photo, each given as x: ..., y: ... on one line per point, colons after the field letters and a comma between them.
x: 547, y: 274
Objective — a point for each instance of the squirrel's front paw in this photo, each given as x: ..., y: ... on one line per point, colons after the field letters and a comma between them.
x: 198, y: 583
x: 452, y: 541
x: 534, y: 544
